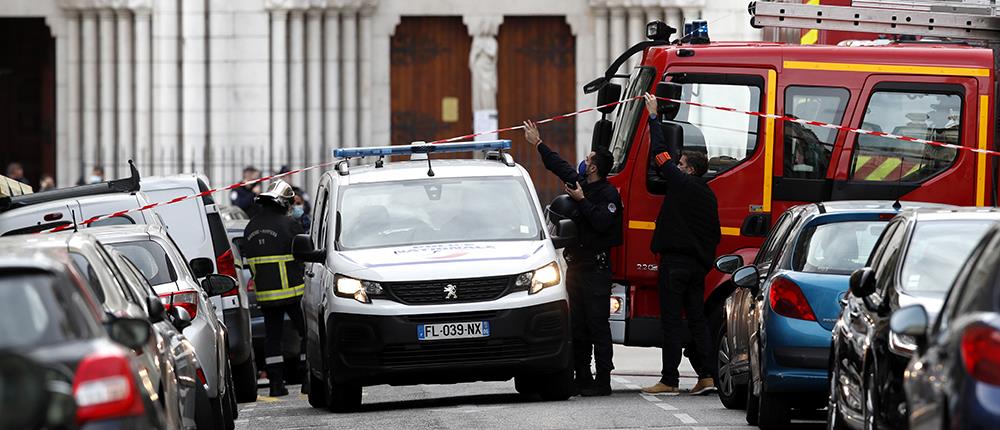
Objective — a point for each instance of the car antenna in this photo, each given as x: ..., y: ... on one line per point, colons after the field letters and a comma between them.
x: 430, y: 170
x: 72, y: 213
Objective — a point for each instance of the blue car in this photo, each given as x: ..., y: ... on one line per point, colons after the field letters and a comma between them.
x: 774, y: 346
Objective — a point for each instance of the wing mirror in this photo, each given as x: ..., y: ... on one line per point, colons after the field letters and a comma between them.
x: 668, y: 90
x: 565, y: 234
x: 747, y: 277
x: 216, y: 285
x: 304, y: 250
x: 156, y: 309
x: 609, y: 93
x: 201, y: 267
x: 910, y: 322
x: 131, y: 332
x: 180, y: 318
x: 862, y: 285
x: 728, y: 263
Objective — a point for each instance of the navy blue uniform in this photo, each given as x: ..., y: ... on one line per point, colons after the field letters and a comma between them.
x: 588, y: 277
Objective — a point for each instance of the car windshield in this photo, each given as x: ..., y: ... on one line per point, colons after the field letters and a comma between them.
x: 436, y: 211
x: 628, y: 115
x: 151, y: 259
x: 837, y: 248
x: 32, y: 314
x: 936, y: 252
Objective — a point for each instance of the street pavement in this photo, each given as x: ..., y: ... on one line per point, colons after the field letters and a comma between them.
x: 496, y: 405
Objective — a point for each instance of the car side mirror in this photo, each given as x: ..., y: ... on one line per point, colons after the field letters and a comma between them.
x: 912, y: 322
x: 747, y: 277
x: 201, y: 267
x: 862, y: 283
x: 131, y: 332
x: 156, y: 309
x: 304, y: 250
x: 729, y: 263
x: 216, y: 285
x: 180, y: 318
x: 565, y: 234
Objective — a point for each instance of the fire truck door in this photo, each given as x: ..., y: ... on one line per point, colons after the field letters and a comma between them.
x: 938, y: 108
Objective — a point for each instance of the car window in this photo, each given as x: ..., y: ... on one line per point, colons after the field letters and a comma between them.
x: 116, y: 275
x: 38, y: 309
x: 629, y: 114
x: 807, y: 148
x: 136, y: 280
x: 319, y: 216
x: 775, y: 239
x: 115, y: 220
x: 936, y: 252
x: 108, y: 291
x: 150, y: 258
x: 916, y: 114
x: 975, y: 288
x: 836, y: 248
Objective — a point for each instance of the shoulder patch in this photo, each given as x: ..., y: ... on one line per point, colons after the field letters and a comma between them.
x: 612, y: 208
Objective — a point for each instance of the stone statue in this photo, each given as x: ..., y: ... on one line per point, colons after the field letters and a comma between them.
x: 483, y: 63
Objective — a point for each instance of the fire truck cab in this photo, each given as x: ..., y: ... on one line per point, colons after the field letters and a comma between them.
x: 759, y: 167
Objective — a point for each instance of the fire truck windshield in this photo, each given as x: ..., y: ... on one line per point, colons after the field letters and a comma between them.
x: 628, y: 115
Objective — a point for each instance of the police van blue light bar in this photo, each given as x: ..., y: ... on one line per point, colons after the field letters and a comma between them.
x: 422, y: 148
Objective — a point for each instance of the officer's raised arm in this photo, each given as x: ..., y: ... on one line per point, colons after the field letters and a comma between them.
x: 551, y: 159
x: 665, y: 154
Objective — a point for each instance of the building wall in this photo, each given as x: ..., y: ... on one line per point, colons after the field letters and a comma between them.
x: 211, y: 85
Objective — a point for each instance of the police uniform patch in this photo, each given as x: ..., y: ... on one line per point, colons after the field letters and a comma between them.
x: 612, y: 208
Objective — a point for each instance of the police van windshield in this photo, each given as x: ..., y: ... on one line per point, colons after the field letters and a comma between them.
x: 436, y: 211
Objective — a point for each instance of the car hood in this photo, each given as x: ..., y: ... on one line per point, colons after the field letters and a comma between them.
x: 931, y: 302
x: 823, y: 292
x: 451, y: 260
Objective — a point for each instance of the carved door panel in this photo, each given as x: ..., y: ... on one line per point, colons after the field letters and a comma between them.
x: 430, y: 80
x: 537, y: 76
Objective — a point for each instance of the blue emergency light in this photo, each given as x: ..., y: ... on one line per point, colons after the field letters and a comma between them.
x: 422, y: 148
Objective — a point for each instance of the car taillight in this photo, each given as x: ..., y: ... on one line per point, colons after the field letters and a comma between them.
x: 201, y: 376
x: 981, y: 353
x: 226, y: 265
x: 185, y: 299
x: 250, y: 285
x: 105, y: 388
x: 787, y: 300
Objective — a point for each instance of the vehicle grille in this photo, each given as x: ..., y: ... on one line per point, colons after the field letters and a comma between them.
x: 454, y: 351
x: 434, y: 292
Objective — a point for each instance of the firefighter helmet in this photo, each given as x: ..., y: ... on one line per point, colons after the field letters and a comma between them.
x: 279, y: 194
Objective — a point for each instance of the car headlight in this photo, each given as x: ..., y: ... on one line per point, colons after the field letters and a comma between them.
x: 535, y: 280
x: 357, y: 289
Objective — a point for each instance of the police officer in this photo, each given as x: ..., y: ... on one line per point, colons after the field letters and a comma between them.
x: 588, y: 277
x: 276, y: 274
x: 686, y: 235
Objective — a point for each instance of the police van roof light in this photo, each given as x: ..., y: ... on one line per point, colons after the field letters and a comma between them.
x: 494, y: 145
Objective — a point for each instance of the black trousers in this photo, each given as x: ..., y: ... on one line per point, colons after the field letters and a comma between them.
x: 682, y: 289
x: 274, y: 324
x: 589, y: 291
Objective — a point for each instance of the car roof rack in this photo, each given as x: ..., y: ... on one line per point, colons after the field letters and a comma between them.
x: 124, y: 185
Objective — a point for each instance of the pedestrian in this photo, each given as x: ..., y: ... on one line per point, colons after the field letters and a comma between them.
x: 588, y: 275
x: 686, y: 235
x: 243, y: 196
x: 16, y: 172
x: 278, y: 278
x: 300, y: 211
x: 47, y: 183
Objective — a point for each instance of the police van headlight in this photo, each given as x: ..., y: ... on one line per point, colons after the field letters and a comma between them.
x: 535, y: 280
x: 357, y: 289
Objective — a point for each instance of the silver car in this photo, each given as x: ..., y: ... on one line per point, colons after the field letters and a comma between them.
x: 160, y: 261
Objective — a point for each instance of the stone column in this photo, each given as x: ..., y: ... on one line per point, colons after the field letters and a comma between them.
x: 89, y: 43
x: 166, y: 88
x: 106, y: 154
x: 279, y: 88
x: 296, y: 89
x: 194, y: 117
x: 618, y: 32
x: 483, y: 64
x: 636, y: 33
x: 383, y: 28
x: 690, y: 14
x: 331, y: 84
x: 143, y: 89
x: 349, y: 51
x: 365, y: 75
x: 600, y: 41
x: 314, y: 95
x: 126, y: 143
x: 673, y: 18
x: 72, y: 168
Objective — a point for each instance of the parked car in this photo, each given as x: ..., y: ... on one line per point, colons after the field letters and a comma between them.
x: 915, y: 262
x: 232, y: 213
x: 197, y: 228
x: 50, y: 314
x: 161, y: 263
x: 777, y: 330
x: 953, y: 380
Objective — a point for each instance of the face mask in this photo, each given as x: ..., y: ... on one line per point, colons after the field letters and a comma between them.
x: 297, y: 211
x: 94, y: 179
x: 583, y: 168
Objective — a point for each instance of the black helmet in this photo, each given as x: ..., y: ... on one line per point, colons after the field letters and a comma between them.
x: 562, y: 207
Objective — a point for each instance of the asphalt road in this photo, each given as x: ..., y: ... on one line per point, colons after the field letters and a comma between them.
x: 495, y: 405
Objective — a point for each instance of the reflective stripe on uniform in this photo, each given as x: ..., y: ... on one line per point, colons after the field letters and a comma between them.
x: 274, y: 360
x: 284, y: 293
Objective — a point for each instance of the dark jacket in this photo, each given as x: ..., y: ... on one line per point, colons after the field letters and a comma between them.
x: 269, y: 236
x: 688, y: 223
x: 243, y: 198
x: 599, y: 226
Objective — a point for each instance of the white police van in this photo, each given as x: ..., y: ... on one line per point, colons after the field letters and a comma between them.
x: 433, y: 271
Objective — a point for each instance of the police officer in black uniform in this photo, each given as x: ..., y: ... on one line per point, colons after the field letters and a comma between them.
x: 588, y: 277
x: 276, y: 274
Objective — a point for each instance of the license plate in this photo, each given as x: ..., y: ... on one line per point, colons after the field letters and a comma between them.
x: 461, y: 330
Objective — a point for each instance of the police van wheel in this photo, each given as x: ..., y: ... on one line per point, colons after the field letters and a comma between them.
x: 557, y: 386
x: 525, y: 385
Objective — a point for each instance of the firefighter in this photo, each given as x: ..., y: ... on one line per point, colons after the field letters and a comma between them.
x: 687, y: 232
x: 276, y: 274
x: 588, y: 277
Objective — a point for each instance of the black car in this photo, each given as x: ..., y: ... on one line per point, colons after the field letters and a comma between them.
x: 48, y: 314
x: 953, y: 380
x: 914, y: 262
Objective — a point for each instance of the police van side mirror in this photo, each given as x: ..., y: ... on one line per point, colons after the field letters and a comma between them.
x: 565, y: 234
x: 304, y: 250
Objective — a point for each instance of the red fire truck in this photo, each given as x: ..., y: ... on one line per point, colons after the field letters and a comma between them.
x: 943, y: 91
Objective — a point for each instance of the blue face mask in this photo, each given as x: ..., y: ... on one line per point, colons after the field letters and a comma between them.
x: 297, y: 211
x: 583, y: 168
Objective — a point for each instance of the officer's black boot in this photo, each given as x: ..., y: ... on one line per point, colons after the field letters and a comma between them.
x: 274, y: 375
x: 600, y: 387
x: 581, y: 381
